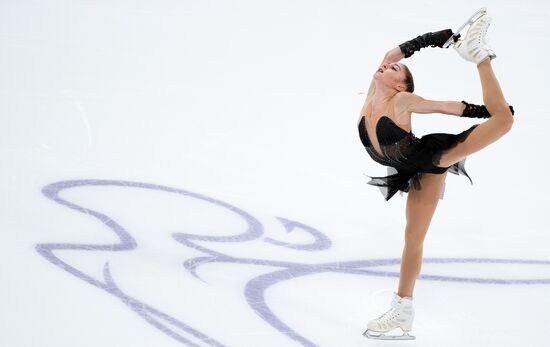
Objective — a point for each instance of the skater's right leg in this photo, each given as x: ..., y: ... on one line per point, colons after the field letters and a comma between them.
x: 419, y: 210
x: 421, y: 205
x: 493, y: 128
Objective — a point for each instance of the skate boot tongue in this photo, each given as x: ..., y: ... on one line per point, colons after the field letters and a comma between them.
x: 398, y: 300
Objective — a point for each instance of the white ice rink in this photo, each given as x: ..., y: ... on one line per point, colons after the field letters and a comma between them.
x: 189, y: 173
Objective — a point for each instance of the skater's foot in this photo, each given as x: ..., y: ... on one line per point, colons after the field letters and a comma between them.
x: 399, y: 316
x: 474, y: 47
x: 485, y: 62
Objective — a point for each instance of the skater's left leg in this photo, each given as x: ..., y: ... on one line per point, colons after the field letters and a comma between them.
x: 420, y: 208
x: 486, y: 133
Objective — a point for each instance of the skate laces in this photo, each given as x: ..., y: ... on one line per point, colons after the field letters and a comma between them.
x: 484, y: 31
x: 476, y: 31
x: 396, y: 306
x: 484, y: 26
x: 389, y: 313
x: 386, y: 315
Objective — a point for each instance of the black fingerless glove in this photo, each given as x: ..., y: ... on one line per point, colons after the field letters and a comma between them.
x: 436, y: 39
x: 478, y: 111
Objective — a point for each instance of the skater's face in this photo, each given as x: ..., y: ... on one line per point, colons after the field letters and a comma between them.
x: 391, y: 75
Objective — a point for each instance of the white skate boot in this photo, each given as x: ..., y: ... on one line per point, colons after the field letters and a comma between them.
x: 401, y: 315
x: 474, y: 46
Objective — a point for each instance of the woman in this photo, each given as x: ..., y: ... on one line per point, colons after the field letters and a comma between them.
x: 420, y: 165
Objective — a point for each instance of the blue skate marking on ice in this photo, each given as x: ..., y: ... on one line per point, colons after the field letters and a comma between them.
x: 256, y: 287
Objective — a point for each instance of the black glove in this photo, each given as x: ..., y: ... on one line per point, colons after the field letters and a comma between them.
x: 436, y: 39
x: 478, y: 111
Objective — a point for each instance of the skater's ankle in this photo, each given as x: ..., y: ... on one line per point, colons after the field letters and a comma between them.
x: 485, y: 62
x: 405, y: 295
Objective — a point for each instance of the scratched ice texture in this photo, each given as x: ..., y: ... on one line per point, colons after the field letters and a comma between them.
x: 188, y: 173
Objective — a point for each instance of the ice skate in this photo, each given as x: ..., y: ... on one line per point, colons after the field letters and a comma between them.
x: 473, y: 47
x: 401, y: 315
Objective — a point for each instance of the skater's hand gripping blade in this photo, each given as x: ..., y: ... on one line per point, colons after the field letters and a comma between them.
x: 470, y: 20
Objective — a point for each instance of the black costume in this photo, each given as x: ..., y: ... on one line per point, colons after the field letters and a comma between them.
x: 407, y: 156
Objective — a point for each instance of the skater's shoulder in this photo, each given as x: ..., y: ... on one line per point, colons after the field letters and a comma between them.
x: 405, y: 96
x: 417, y: 104
x: 403, y: 100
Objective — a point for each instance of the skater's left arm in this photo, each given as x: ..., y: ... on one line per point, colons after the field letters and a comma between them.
x: 417, y: 104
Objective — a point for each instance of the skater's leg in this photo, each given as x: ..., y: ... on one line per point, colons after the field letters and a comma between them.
x: 493, y: 128
x: 420, y: 208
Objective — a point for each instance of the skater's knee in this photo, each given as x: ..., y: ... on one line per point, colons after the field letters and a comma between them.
x: 503, y: 122
x: 504, y: 115
x: 507, y: 124
x: 414, y: 238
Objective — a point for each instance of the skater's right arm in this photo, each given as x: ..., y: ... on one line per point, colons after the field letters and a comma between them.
x: 393, y: 56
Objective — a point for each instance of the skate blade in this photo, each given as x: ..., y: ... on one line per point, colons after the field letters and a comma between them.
x: 470, y: 20
x: 382, y: 336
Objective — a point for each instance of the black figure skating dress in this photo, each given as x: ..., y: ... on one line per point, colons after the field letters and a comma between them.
x: 407, y: 156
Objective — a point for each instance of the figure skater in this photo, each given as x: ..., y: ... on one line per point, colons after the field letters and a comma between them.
x: 420, y: 165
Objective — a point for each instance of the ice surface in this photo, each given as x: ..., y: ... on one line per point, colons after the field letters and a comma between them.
x: 190, y: 173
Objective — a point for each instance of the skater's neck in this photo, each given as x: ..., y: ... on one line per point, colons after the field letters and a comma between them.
x: 383, y: 95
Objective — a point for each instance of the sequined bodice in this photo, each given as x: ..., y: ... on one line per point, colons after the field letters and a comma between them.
x: 407, y: 156
x: 396, y: 143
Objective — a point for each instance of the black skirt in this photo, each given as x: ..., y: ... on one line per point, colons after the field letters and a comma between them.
x: 423, y: 157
